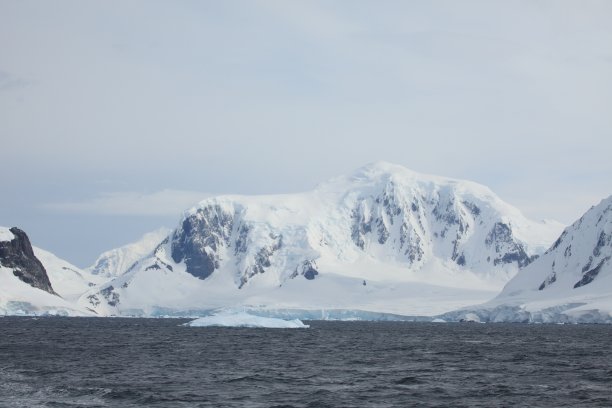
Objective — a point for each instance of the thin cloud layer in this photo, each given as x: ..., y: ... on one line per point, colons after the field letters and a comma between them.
x: 160, y: 203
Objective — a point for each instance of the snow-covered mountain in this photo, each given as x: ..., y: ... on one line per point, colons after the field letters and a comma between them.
x: 69, y: 281
x: 571, y: 282
x: 383, y: 239
x: 33, y: 281
x: 116, y: 261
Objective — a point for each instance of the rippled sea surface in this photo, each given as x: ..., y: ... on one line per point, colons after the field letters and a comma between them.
x: 97, y: 362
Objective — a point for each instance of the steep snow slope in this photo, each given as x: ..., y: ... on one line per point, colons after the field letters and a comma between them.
x: 116, y: 261
x: 43, y: 279
x: 69, y: 281
x: 571, y: 282
x: 382, y: 239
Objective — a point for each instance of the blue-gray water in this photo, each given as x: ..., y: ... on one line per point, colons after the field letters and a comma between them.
x: 73, y: 362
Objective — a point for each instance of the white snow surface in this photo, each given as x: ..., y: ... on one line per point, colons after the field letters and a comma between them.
x: 19, y: 298
x: 6, y: 234
x: 262, y: 246
x: 116, y: 261
x: 160, y: 292
x: 69, y: 281
x: 571, y: 282
x: 244, y: 319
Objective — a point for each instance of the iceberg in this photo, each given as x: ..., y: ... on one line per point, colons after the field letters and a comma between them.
x: 243, y: 319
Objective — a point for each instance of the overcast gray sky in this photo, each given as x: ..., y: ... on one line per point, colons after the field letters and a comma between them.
x: 116, y: 115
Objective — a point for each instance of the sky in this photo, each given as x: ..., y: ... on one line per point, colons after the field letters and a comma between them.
x: 115, y: 116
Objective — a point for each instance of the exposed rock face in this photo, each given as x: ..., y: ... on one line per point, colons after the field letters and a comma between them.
x: 415, y: 223
x: 199, y: 239
x: 582, y: 251
x: 215, y: 232
x: 18, y: 255
x: 507, y: 248
x: 376, y: 217
x: 307, y: 269
x: 262, y: 259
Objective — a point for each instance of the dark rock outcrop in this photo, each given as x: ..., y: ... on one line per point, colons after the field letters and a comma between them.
x: 18, y: 255
x: 590, y: 275
x: 263, y: 259
x: 374, y: 218
x: 198, y: 240
x: 307, y: 269
x: 509, y: 250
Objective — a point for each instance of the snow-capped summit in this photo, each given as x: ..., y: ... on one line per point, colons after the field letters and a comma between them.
x: 571, y: 282
x: 116, y: 261
x: 382, y: 172
x: 383, y: 210
x: 379, y: 229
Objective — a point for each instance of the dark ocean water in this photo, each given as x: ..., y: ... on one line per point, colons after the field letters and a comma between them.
x: 97, y: 362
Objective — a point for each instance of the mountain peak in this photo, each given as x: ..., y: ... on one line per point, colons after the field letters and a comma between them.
x: 116, y: 261
x: 382, y: 168
x: 380, y: 173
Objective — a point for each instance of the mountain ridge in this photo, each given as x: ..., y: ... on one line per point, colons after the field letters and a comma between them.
x: 382, y: 223
x: 116, y: 261
x: 571, y: 282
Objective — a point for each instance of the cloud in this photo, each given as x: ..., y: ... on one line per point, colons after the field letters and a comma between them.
x: 271, y: 96
x: 10, y: 82
x: 160, y: 203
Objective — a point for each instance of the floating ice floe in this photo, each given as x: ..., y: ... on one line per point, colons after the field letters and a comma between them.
x: 471, y: 318
x: 243, y: 319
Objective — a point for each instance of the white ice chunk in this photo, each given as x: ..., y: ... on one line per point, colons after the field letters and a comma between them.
x: 471, y: 317
x: 243, y: 319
